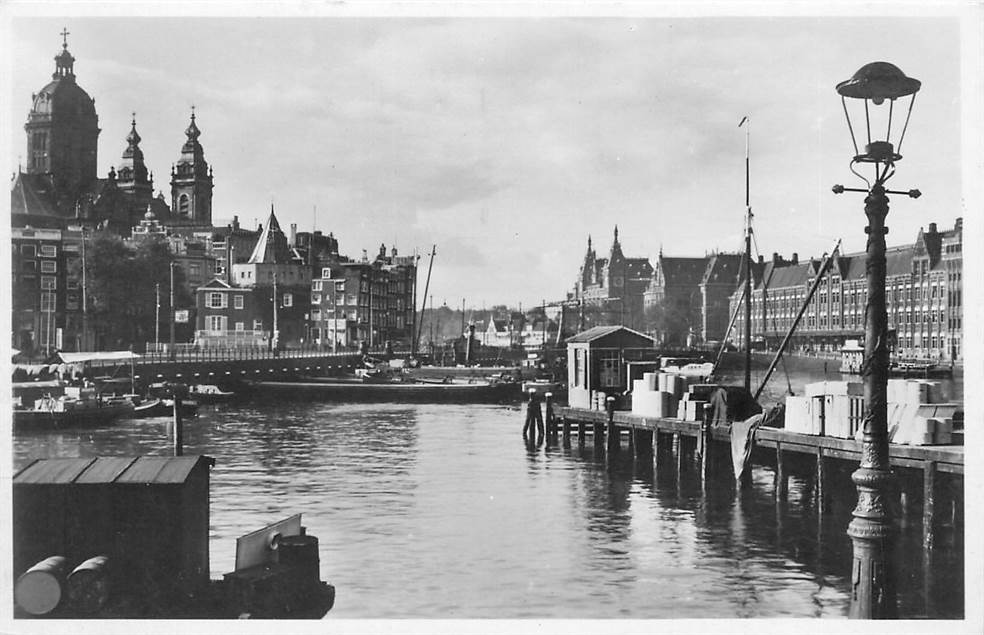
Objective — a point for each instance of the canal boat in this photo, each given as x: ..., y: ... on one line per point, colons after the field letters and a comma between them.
x: 404, y: 391
x: 75, y: 407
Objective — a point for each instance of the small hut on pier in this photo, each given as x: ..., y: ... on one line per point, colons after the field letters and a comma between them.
x: 595, y: 361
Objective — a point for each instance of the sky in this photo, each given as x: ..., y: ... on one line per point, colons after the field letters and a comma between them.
x: 506, y: 141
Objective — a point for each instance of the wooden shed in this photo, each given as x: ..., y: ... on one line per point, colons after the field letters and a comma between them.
x: 595, y: 361
x: 149, y: 514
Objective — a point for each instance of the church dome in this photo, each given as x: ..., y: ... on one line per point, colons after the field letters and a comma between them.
x: 62, y: 96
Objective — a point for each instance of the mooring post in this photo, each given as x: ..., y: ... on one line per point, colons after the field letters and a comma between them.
x: 819, y: 480
x: 656, y: 447
x: 551, y: 424
x: 178, y: 428
x: 929, y: 503
x: 614, y: 441
x: 567, y: 432
x: 781, y: 484
x: 678, y: 451
x: 705, y: 459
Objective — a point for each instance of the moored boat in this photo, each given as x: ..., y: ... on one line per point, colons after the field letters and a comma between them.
x: 162, y: 407
x: 74, y: 409
x: 355, y: 389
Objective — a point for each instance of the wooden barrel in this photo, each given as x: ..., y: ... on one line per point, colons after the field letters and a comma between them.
x: 88, y: 585
x: 39, y: 590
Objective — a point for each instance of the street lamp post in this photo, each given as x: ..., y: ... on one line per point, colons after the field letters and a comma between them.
x: 875, y: 88
x: 170, y: 350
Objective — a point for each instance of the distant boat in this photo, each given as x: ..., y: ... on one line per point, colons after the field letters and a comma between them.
x: 162, y: 407
x: 210, y: 393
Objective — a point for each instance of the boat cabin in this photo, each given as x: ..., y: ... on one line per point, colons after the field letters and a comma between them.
x: 596, y: 361
x: 852, y: 357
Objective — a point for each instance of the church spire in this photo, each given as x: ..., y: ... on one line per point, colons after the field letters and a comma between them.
x: 191, y: 180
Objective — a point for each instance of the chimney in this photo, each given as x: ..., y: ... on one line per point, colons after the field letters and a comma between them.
x: 796, y: 258
x: 958, y: 224
x: 761, y: 259
x: 775, y: 258
x: 932, y: 228
x: 293, y: 234
x: 235, y: 222
x: 382, y: 251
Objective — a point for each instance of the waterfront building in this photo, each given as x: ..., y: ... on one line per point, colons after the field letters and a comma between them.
x: 923, y: 299
x: 721, y: 275
x: 615, y: 284
x: 672, y: 298
x: 369, y: 302
x: 46, y: 302
x: 241, y: 311
x: 498, y: 333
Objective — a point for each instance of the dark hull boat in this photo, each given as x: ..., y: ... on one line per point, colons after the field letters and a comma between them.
x: 77, y: 415
x: 355, y: 389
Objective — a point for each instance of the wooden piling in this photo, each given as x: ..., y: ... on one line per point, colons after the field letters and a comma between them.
x: 781, y: 484
x: 582, y: 430
x: 819, y: 484
x: 566, y: 425
x: 678, y: 451
x: 929, y: 503
x: 705, y: 444
x: 614, y: 441
x: 178, y: 428
x: 551, y: 424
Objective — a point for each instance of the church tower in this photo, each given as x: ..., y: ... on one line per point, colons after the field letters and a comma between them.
x: 62, y: 133
x: 131, y: 176
x: 191, y: 183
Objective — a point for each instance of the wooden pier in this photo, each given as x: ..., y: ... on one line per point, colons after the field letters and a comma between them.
x: 647, y: 436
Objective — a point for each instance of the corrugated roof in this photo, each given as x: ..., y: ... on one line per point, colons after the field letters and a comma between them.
x: 105, y: 469
x: 53, y: 471
x: 112, y: 469
x: 159, y: 469
x: 597, y: 332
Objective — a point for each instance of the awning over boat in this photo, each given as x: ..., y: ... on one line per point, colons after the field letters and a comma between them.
x: 118, y: 356
x: 51, y: 383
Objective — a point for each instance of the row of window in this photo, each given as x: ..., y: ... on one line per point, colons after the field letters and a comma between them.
x: 219, y: 300
x: 47, y: 266
x: 219, y: 323
x: 46, y: 251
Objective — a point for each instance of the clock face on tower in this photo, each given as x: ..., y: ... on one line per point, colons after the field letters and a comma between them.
x: 617, y: 282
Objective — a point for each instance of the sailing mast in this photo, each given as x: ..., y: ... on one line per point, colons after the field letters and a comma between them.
x: 799, y: 316
x: 420, y: 325
x: 748, y: 264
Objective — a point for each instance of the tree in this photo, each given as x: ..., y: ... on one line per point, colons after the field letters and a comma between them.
x: 121, y: 280
x: 671, y: 321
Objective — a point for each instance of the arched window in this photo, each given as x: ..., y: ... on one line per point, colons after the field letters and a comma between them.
x: 183, y: 205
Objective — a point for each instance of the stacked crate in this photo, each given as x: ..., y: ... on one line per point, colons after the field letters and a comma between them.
x: 917, y: 413
x: 667, y: 395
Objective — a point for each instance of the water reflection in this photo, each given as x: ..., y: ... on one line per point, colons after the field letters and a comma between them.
x: 438, y: 511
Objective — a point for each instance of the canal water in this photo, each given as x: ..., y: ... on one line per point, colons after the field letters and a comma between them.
x: 442, y: 511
